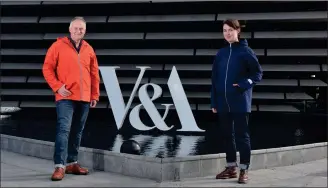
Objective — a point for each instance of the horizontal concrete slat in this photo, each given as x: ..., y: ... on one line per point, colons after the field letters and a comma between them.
x: 133, y: 67
x: 278, y: 108
x: 290, y: 34
x: 310, y: 15
x: 91, y: 2
x: 265, y: 95
x: 191, y: 94
x: 302, y: 96
x: 88, y: 19
x: 145, y: 52
x: 132, y: 52
x: 186, y: 52
x: 21, y: 66
x: 9, y: 104
x: 36, y: 79
x: 38, y: 104
x: 256, y: 95
x: 51, y: 104
x: 132, y: 80
x: 206, y: 52
x: 20, y: 2
x: 12, y: 79
x: 29, y: 52
x: 189, y: 67
x: 313, y: 83
x: 25, y: 19
x: 122, y: 80
x: 190, y: 35
x: 291, y: 68
x: 23, y: 36
x: 53, y: 36
x: 113, y: 36
x: 99, y: 36
x: 204, y: 81
x: 297, y: 52
x: 163, y: 18
x: 38, y: 66
x: 27, y: 92
x: 278, y: 82
x: 195, y: 81
x: 159, y: 106
x: 265, y: 67
x: 204, y: 107
x: 213, y: 52
x: 186, y: 81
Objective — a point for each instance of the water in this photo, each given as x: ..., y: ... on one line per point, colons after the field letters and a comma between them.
x: 267, y: 131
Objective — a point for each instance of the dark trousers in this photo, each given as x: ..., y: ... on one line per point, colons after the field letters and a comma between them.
x: 71, y: 118
x: 235, y: 131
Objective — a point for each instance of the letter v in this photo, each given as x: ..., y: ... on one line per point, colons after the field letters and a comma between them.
x: 114, y: 92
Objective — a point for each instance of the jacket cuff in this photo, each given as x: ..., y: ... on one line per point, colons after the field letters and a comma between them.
x: 246, y: 84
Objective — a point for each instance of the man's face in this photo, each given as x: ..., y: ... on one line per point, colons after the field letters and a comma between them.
x: 77, y: 29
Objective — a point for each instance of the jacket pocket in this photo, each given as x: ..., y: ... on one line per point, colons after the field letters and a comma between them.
x: 239, y: 90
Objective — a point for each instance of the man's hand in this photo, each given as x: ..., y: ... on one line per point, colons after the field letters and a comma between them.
x: 235, y: 85
x: 93, y: 103
x: 214, y: 110
x: 64, y: 92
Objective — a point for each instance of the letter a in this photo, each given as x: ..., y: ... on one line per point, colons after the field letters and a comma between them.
x: 181, y: 103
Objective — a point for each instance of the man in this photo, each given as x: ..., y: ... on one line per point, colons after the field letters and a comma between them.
x: 71, y: 70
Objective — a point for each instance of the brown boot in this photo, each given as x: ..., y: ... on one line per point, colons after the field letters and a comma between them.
x: 58, y: 174
x: 76, y: 169
x: 243, y: 177
x: 229, y: 172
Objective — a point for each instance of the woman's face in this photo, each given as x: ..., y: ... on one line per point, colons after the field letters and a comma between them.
x: 230, y: 34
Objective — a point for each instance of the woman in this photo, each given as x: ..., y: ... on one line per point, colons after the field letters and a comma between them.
x: 234, y: 73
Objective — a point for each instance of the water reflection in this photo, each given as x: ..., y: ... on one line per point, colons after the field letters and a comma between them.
x: 164, y: 145
x: 265, y: 133
x: 299, y: 133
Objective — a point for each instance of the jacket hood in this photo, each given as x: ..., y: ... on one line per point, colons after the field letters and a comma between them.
x: 63, y: 39
x: 241, y: 42
x: 66, y: 40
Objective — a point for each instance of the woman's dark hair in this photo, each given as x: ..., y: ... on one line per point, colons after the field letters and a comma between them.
x: 234, y: 24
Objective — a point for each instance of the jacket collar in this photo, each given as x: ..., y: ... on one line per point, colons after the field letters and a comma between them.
x: 241, y: 42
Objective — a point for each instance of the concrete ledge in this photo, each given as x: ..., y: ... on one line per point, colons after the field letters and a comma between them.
x: 167, y: 169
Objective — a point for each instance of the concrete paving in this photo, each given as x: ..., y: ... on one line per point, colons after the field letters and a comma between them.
x: 24, y: 171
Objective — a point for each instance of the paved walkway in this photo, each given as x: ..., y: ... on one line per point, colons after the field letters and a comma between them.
x: 24, y: 171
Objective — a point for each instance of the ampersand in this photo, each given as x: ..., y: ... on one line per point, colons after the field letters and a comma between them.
x: 151, y: 109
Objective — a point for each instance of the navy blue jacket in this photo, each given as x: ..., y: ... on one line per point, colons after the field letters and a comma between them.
x: 234, y: 64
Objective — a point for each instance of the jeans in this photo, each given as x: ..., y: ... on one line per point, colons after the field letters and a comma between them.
x: 235, y: 130
x: 71, y: 118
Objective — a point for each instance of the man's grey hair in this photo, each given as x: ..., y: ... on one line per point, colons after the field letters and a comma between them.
x: 77, y: 18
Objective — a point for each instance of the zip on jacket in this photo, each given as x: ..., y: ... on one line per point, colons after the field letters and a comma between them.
x: 225, y: 83
x: 78, y: 50
x: 234, y: 64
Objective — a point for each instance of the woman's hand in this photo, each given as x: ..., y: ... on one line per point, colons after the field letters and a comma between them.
x: 214, y: 110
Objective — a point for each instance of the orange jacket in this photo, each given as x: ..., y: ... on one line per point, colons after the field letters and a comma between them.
x: 79, y: 72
